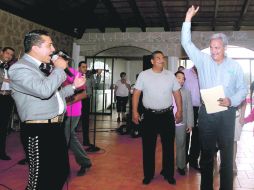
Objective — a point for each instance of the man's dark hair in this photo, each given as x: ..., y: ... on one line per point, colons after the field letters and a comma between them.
x: 181, y: 68
x: 6, y: 48
x: 81, y: 62
x: 179, y: 72
x: 122, y: 74
x: 34, y: 38
x: 156, y: 52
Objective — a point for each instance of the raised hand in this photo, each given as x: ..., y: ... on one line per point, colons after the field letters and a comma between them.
x: 79, y: 81
x: 191, y: 13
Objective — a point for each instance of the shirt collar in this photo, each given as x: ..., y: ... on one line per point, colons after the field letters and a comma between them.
x: 35, y: 60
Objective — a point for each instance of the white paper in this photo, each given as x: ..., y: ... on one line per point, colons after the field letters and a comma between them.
x: 210, y: 98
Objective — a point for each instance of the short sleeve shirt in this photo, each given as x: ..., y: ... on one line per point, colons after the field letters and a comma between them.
x: 122, y: 89
x: 157, y: 88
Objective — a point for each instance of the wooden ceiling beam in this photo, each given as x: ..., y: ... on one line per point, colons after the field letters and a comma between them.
x: 138, y: 15
x: 243, y: 13
x: 215, y: 14
x: 114, y: 14
x: 163, y: 16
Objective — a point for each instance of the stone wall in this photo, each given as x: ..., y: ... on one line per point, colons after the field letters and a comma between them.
x: 168, y: 42
x: 13, y: 29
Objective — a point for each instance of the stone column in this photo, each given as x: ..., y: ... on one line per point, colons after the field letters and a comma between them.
x: 173, y: 63
x: 75, y: 55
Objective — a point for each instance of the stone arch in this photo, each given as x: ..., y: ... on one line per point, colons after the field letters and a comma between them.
x: 123, y: 51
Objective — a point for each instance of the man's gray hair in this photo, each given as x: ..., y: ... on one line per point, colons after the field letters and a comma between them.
x: 221, y: 36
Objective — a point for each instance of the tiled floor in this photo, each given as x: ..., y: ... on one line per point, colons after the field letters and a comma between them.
x: 118, y: 165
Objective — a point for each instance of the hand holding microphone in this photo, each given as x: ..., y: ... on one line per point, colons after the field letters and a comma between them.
x: 60, y: 60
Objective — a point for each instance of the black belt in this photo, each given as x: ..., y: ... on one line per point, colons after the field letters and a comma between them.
x: 160, y: 111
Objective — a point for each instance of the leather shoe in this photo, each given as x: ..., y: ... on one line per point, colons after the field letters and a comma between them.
x: 170, y: 180
x: 146, y: 181
x: 83, y: 169
x: 5, y: 157
x: 181, y: 171
x: 87, y: 144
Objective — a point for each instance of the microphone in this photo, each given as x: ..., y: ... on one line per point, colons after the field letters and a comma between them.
x: 67, y: 71
x: 65, y: 57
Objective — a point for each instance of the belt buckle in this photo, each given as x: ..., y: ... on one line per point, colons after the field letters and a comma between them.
x: 3, y: 92
x: 57, y: 119
x: 60, y: 118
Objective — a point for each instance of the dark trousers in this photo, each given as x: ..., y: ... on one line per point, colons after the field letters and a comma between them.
x: 85, y: 120
x: 217, y: 128
x: 121, y: 103
x: 6, y: 107
x: 153, y: 124
x: 194, y: 148
x: 46, y: 150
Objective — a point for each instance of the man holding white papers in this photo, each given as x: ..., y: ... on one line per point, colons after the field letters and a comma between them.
x: 218, y: 127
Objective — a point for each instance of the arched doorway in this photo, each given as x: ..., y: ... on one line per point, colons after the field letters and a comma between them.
x: 113, y: 61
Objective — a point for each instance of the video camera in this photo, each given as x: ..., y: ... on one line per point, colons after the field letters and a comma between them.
x: 89, y: 73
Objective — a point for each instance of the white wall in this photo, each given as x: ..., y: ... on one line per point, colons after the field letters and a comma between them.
x: 131, y: 67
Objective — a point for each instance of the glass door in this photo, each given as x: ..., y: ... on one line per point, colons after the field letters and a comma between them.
x: 101, y: 67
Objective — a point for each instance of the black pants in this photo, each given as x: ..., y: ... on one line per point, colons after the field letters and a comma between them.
x: 164, y: 124
x: 46, y: 150
x: 121, y: 103
x: 217, y: 128
x: 6, y: 106
x: 85, y: 120
x: 194, y: 153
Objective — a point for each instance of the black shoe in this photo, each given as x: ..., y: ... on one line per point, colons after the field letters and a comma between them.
x: 171, y: 180
x: 181, y: 171
x: 87, y: 144
x: 83, y: 169
x: 146, y: 181
x: 23, y: 162
x: 5, y: 157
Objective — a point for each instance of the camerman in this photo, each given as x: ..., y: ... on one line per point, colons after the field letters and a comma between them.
x: 91, y: 82
x: 6, y: 102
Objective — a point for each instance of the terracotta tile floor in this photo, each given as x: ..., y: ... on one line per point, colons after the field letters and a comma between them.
x: 118, y: 165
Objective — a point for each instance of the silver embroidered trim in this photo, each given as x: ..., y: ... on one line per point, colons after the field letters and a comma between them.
x: 33, y: 154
